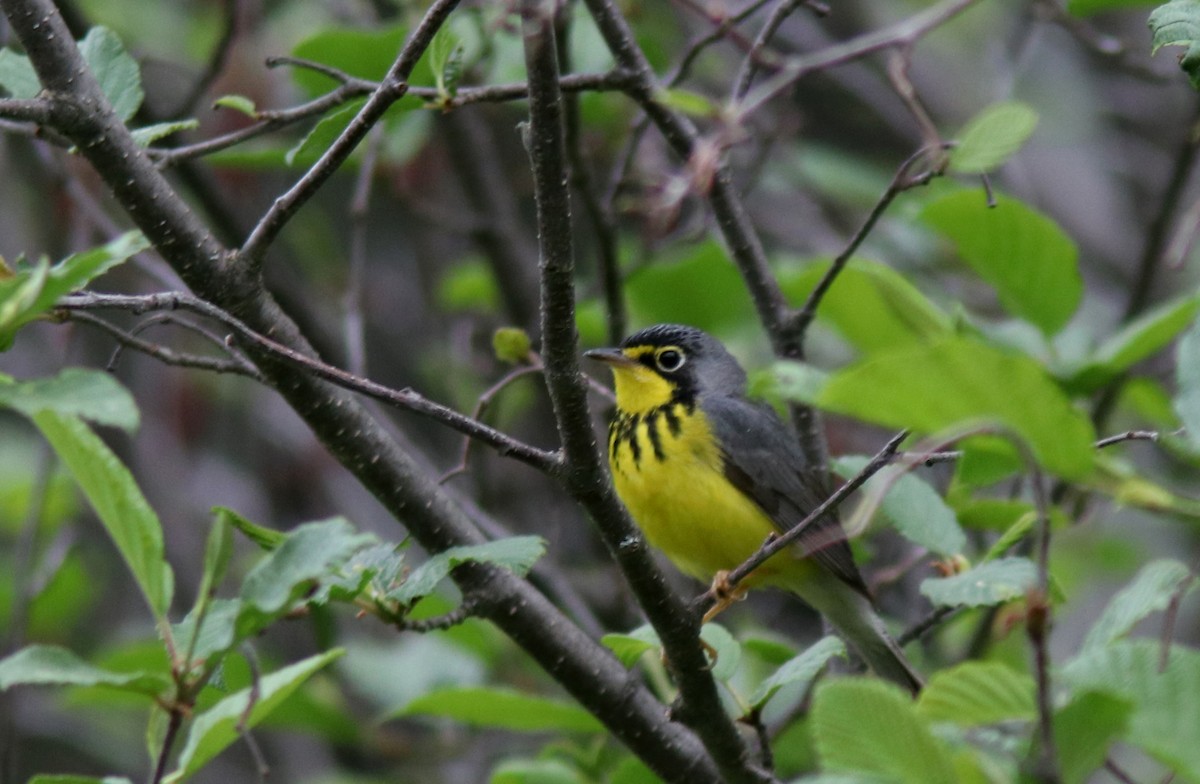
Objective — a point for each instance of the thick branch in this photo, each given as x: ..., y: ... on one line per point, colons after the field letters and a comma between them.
x: 585, y: 476
x: 342, y: 425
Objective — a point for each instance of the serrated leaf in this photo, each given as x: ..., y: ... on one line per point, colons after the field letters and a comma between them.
x: 215, y: 729
x: 913, y: 507
x: 311, y: 553
x: 1187, y: 383
x: 801, y: 669
x: 865, y: 726
x: 239, y: 103
x: 149, y: 134
x: 986, y: 584
x: 977, y: 692
x: 118, y: 502
x: 17, y: 76
x: 870, y: 304
x: 1166, y: 705
x: 1083, y: 731
x: 114, y: 69
x: 89, y: 394
x: 503, y: 708
x: 959, y: 382
x: 33, y: 291
x: 516, y: 553
x: 992, y: 137
x: 1177, y: 23
x: 1149, y: 592
x: 1031, y: 262
x: 266, y: 538
x: 50, y: 665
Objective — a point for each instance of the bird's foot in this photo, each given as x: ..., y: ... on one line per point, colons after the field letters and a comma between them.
x: 723, y: 594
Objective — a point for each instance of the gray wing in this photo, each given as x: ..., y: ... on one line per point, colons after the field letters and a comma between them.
x: 764, y: 461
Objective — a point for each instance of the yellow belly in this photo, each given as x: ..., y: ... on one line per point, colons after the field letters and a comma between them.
x: 684, y: 504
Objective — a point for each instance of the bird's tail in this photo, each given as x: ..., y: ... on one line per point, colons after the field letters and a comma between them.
x: 853, y: 614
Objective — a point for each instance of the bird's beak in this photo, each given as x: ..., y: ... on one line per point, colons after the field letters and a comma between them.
x: 610, y: 356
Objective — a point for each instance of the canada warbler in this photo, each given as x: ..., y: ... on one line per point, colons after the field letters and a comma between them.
x: 708, y: 475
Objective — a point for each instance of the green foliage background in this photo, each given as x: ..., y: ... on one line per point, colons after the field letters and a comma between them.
x: 171, y: 536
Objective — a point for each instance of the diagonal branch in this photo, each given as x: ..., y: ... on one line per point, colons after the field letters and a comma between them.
x: 391, y: 89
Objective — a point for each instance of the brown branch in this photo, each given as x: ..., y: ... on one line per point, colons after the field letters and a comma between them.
x: 750, y: 63
x: 407, y: 399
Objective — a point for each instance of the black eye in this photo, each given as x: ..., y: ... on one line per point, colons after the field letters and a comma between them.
x: 669, y: 360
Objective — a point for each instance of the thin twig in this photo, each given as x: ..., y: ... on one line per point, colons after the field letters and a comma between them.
x: 901, y: 182
x: 481, y: 405
x: 390, y: 90
x: 903, y: 33
x: 1129, y: 435
x: 1037, y: 625
x: 749, y: 68
x: 403, y: 398
x: 168, y: 356
x: 174, y: 722
x: 882, y: 458
x: 352, y: 297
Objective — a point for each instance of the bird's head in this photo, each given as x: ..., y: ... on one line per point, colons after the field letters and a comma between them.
x: 670, y: 362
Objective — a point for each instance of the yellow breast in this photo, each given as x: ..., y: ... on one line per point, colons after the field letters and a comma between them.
x: 668, y: 470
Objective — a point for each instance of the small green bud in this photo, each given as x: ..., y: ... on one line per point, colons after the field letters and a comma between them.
x: 512, y: 345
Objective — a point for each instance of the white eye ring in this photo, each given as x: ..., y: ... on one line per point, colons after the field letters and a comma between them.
x: 669, y: 360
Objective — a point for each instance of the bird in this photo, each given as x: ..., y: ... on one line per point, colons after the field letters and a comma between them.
x: 709, y: 475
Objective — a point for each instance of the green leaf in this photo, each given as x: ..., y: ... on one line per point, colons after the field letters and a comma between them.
x: 90, y: 394
x: 986, y: 584
x: 958, y: 383
x: 870, y: 304
x: 1177, y: 23
x: 215, y: 729
x: 50, y: 665
x: 119, y: 503
x: 788, y: 380
x: 977, y: 692
x: 445, y: 55
x: 1088, y: 7
x: 67, y: 778
x: 151, y: 133
x: 689, y: 102
x: 365, y: 53
x: 1023, y: 254
x: 912, y: 506
x: 1166, y: 705
x: 511, y: 345
x: 322, y: 136
x: 239, y: 103
x: 801, y: 669
x: 17, y: 76
x: 515, y: 553
x: 1083, y: 732
x: 536, y: 771
x: 266, y: 538
x: 863, y: 725
x: 628, y: 648
x: 697, y: 286
x: 1013, y: 534
x: 312, y: 553
x: 218, y: 549
x: 725, y: 653
x: 992, y: 137
x: 1137, y: 340
x: 469, y: 286
x: 1149, y: 592
x: 217, y: 632
x: 32, y: 291
x: 116, y: 71
x: 1187, y: 383
x: 511, y: 710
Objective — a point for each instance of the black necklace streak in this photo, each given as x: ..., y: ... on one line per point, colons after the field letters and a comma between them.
x: 625, y: 429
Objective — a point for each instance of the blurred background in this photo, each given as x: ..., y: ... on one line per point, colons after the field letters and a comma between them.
x: 405, y: 264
